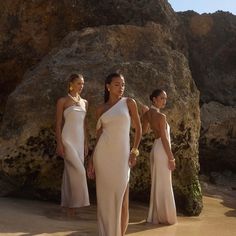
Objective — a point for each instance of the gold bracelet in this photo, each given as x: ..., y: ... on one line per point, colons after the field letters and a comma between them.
x: 135, y: 151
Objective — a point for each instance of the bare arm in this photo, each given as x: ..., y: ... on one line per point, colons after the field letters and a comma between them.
x: 99, y: 112
x: 164, y: 139
x: 90, y: 169
x: 165, y: 143
x: 86, y: 131
x: 145, y: 123
x: 133, y: 110
x: 59, y: 121
x: 136, y: 121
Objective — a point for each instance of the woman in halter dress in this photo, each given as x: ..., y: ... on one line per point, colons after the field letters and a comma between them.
x: 162, y: 208
x: 72, y: 145
x: 113, y: 158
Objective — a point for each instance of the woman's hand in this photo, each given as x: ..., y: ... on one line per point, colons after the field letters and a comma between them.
x: 90, y: 169
x: 144, y: 109
x: 60, y: 150
x: 171, y: 164
x: 132, y: 160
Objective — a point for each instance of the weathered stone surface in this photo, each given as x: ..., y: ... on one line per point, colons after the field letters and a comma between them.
x: 29, y: 29
x: 145, y: 57
x: 211, y: 42
x: 218, y: 137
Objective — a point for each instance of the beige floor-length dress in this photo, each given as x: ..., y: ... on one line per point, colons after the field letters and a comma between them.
x: 74, y: 191
x: 110, y: 159
x: 162, y: 208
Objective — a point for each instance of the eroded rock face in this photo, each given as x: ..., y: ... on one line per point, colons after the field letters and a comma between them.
x: 147, y: 61
x: 218, y: 137
x: 30, y: 29
x: 211, y: 40
x: 212, y: 54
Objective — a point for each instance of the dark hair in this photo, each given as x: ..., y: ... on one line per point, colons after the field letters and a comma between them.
x: 108, y: 80
x: 156, y: 93
x: 72, y: 78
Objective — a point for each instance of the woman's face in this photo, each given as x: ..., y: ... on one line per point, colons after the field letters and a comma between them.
x: 160, y: 101
x: 117, y: 86
x: 77, y: 85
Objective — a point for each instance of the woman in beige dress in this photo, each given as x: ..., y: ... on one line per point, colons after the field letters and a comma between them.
x: 72, y: 145
x: 113, y: 158
x: 162, y: 208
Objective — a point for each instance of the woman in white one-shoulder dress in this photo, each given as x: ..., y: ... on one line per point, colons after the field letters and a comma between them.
x: 113, y: 158
x: 162, y: 208
x: 72, y: 145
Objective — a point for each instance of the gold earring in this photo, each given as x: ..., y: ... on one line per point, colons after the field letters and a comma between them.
x: 70, y: 88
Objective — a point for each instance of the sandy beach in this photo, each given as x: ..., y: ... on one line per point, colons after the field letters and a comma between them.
x: 26, y: 217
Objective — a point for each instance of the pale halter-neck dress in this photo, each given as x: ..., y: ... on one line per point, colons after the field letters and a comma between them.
x: 74, y: 191
x: 162, y: 208
x: 112, y: 171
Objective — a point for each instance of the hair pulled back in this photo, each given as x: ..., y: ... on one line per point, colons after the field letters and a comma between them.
x: 156, y: 93
x: 72, y: 78
x: 108, y: 80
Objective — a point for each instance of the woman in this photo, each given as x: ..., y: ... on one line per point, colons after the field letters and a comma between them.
x: 112, y: 157
x: 162, y: 204
x: 72, y: 145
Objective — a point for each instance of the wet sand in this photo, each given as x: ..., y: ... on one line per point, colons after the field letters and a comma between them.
x: 24, y: 218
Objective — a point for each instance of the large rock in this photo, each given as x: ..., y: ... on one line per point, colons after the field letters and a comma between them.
x: 218, y: 137
x: 211, y: 42
x: 29, y: 29
x: 145, y: 57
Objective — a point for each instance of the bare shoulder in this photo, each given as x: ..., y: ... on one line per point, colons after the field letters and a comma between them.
x: 61, y: 101
x: 130, y: 100
x: 157, y: 115
x: 162, y: 117
x: 131, y: 103
x: 146, y: 116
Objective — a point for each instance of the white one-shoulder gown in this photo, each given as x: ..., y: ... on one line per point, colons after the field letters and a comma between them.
x: 74, y: 191
x: 162, y: 208
x: 110, y: 159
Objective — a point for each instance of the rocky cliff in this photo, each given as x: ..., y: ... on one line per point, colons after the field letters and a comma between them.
x: 146, y: 58
x: 30, y: 29
x: 49, y: 39
x: 211, y: 40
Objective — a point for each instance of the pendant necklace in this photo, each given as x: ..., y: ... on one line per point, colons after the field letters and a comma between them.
x: 76, y: 99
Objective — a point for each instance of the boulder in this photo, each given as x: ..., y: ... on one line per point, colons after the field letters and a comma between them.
x: 211, y: 50
x: 30, y: 29
x: 145, y: 57
x: 218, y: 137
x: 211, y: 40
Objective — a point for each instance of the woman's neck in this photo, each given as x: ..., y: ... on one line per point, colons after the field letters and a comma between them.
x: 155, y: 108
x: 74, y: 94
x: 113, y: 99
